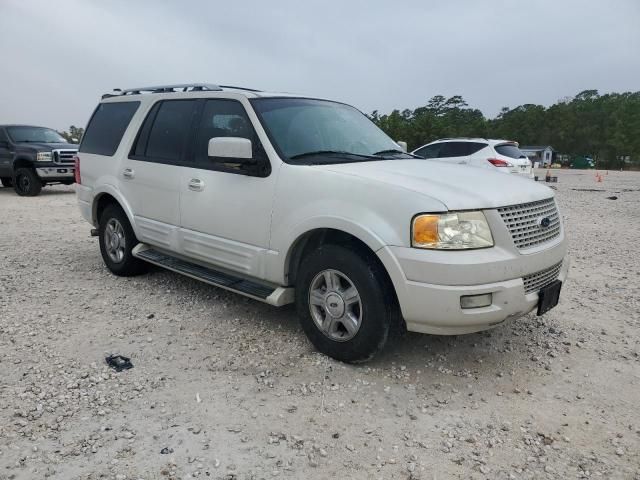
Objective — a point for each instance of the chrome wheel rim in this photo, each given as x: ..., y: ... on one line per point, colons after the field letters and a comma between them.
x: 114, y: 240
x: 335, y: 305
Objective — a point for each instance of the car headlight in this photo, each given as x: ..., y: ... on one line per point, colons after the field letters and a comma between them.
x: 43, y: 157
x: 451, y: 231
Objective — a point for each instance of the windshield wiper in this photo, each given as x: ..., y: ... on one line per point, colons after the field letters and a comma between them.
x: 392, y: 151
x: 328, y: 152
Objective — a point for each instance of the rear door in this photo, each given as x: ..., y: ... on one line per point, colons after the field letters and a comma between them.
x: 150, y: 175
x: 455, y: 152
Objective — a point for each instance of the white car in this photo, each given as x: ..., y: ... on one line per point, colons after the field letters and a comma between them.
x: 288, y: 199
x: 503, y: 155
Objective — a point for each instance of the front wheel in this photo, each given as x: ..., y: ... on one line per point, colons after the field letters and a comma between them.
x: 345, y: 303
x: 117, y: 239
x: 26, y: 183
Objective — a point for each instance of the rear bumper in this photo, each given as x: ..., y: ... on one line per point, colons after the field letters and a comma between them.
x: 429, y: 285
x: 85, y: 198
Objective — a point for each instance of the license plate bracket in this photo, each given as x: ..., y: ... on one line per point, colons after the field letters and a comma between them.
x: 548, y: 297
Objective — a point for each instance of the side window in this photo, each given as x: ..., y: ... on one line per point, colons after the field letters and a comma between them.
x: 430, y: 151
x: 451, y: 149
x: 227, y: 118
x: 106, y: 127
x: 473, y: 147
x: 167, y: 137
x: 3, y: 136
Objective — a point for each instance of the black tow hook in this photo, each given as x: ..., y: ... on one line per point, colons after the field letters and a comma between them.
x: 94, y: 232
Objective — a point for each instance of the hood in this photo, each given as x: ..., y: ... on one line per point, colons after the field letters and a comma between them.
x: 459, y: 187
x: 49, y: 146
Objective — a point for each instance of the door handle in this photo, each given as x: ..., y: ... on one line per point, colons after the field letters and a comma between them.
x: 196, y: 185
x: 128, y: 173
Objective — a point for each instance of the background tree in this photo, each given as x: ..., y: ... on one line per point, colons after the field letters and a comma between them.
x: 74, y: 135
x: 605, y: 127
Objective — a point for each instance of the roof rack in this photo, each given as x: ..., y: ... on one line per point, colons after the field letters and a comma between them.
x: 181, y: 87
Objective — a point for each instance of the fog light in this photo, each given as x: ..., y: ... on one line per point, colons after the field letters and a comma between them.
x: 476, y: 301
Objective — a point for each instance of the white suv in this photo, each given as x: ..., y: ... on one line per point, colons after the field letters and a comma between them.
x: 503, y: 155
x: 289, y: 199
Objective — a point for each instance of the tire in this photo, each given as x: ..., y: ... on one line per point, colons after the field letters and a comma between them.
x: 6, y: 182
x: 26, y: 183
x: 376, y: 308
x: 117, y: 239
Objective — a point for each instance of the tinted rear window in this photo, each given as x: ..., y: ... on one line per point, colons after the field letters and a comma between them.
x: 106, y: 127
x: 509, y: 150
x: 460, y: 149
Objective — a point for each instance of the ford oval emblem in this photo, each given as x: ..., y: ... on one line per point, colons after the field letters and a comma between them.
x: 544, y: 222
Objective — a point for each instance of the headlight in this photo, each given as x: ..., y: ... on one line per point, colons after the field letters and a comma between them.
x: 43, y: 157
x: 451, y: 231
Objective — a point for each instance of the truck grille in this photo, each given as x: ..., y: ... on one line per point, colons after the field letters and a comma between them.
x: 64, y: 157
x: 535, y: 281
x: 524, y: 222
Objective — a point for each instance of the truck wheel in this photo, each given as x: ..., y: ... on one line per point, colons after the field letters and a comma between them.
x: 6, y: 181
x: 26, y: 183
x: 117, y: 239
x: 345, y: 303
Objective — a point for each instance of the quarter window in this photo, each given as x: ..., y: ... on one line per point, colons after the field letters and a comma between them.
x: 106, y: 127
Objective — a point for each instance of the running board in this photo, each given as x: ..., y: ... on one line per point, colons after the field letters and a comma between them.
x: 273, y: 296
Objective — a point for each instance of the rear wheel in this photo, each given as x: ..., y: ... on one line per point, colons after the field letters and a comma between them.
x: 345, y: 303
x: 6, y: 181
x: 117, y: 239
x: 26, y: 183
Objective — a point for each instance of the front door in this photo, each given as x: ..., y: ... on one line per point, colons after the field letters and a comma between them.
x: 225, y: 208
x: 150, y: 176
x: 6, y: 155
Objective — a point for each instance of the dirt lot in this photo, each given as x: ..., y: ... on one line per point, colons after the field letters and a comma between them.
x: 225, y: 387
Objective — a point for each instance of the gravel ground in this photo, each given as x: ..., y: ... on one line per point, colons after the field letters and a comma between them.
x: 228, y: 388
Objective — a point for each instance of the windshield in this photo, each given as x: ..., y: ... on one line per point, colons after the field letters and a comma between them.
x: 35, y: 135
x: 313, y: 131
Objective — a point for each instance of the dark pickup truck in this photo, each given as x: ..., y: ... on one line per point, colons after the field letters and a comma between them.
x: 32, y: 157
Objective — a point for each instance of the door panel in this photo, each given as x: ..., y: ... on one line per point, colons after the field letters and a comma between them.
x: 6, y: 155
x: 152, y: 190
x: 227, y: 221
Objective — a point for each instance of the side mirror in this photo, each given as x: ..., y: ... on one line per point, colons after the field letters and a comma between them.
x: 403, y: 145
x: 237, y: 149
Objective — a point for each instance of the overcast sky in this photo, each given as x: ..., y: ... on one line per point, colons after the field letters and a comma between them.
x: 58, y: 56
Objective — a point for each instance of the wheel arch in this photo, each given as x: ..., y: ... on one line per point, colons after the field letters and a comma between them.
x: 316, y: 237
x: 313, y: 239
x: 106, y: 197
x: 21, y: 162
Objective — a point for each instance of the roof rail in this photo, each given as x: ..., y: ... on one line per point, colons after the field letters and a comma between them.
x: 181, y: 87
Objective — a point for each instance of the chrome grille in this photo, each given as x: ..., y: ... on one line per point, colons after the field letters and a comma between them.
x: 523, y: 221
x: 64, y: 157
x: 535, y: 281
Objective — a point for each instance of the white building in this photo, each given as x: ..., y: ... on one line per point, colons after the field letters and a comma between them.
x: 543, y: 154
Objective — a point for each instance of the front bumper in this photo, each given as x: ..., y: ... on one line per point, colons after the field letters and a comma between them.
x: 429, y: 285
x: 57, y: 172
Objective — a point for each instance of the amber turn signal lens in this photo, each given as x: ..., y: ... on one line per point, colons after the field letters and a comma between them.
x: 425, y: 229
